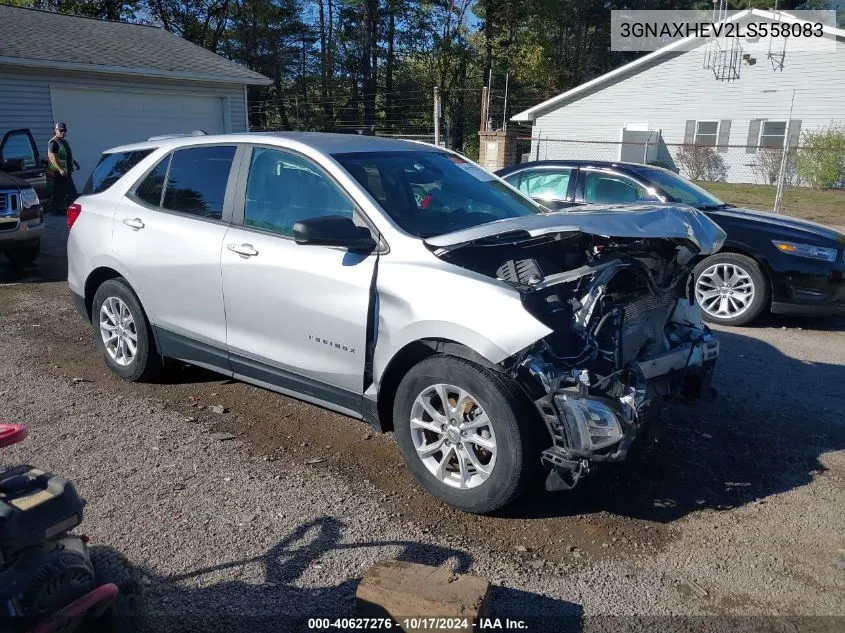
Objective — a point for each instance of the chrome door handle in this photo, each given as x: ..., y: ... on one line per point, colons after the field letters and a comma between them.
x: 135, y: 223
x: 244, y: 250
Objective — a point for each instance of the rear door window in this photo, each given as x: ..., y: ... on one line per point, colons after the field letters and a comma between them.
x: 546, y: 184
x: 111, y: 168
x: 197, y: 179
x: 152, y: 186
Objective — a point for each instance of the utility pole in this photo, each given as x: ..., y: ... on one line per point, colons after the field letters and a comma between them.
x: 483, y: 124
x: 437, y: 116
x: 505, y: 113
x: 489, y: 97
x: 784, y: 159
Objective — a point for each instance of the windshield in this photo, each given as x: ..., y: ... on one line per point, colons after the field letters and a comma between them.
x: 430, y: 193
x: 680, y: 189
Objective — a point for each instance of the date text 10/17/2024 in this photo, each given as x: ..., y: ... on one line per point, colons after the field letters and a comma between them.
x: 424, y: 623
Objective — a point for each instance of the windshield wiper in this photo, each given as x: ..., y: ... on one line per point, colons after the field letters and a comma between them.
x: 712, y: 207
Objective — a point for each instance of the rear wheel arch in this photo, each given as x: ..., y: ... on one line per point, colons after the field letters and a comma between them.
x: 103, y: 274
x: 410, y: 355
x: 96, y: 279
x: 146, y: 360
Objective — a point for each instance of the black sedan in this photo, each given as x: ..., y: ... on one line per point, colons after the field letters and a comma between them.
x: 769, y: 261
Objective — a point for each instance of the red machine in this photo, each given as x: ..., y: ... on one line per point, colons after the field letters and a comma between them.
x: 50, y: 580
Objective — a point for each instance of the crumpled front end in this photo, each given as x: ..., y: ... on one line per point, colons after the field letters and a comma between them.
x: 597, y: 406
x: 626, y: 334
x: 627, y: 338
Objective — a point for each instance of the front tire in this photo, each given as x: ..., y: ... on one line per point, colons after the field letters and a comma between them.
x: 730, y: 289
x: 23, y: 256
x: 466, y: 433
x: 122, y: 333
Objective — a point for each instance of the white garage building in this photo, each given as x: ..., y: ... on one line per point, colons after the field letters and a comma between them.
x: 112, y: 83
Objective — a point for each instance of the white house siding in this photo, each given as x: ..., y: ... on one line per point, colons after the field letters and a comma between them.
x: 25, y: 99
x: 677, y: 87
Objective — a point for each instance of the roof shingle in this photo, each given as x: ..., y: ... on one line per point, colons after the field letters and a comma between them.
x: 41, y: 38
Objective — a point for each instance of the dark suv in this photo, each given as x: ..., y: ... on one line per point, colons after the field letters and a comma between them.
x: 23, y: 187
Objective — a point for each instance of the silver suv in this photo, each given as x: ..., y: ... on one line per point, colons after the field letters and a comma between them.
x: 398, y: 283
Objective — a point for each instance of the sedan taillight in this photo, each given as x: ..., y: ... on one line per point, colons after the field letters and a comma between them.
x: 73, y: 212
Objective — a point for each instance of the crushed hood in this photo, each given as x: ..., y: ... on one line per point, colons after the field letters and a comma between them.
x: 647, y: 221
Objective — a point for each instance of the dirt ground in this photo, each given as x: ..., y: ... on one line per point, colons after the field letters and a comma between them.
x: 738, y: 511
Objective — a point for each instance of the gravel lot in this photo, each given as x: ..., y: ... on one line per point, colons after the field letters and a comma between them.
x: 738, y: 512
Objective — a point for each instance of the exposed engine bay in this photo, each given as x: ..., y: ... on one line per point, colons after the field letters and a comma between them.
x: 626, y: 336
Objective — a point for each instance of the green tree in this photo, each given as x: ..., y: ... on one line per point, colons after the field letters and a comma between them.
x: 821, y: 158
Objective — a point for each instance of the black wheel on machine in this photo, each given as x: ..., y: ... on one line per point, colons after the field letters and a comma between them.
x: 128, y: 613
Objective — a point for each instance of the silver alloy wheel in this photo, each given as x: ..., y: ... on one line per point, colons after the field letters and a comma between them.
x: 453, y: 436
x: 117, y: 327
x: 724, y: 291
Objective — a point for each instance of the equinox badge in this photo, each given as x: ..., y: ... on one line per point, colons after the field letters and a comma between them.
x: 325, y: 341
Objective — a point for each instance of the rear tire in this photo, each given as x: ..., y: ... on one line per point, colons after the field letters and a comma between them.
x: 116, y: 309
x: 24, y: 256
x: 128, y: 613
x: 473, y: 478
x: 749, y: 280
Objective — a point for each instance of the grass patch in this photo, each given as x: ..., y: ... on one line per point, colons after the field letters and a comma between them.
x: 825, y: 206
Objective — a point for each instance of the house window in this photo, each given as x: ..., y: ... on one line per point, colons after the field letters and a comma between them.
x: 706, y: 133
x: 772, y: 134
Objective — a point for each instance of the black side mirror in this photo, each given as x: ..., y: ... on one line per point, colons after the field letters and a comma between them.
x: 334, y: 230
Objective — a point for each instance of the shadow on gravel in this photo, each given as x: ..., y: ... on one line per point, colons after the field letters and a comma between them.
x: 834, y: 323
x: 775, y: 417
x: 277, y: 605
x: 178, y: 373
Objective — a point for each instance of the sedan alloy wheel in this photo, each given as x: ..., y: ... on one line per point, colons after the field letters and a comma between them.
x: 725, y: 290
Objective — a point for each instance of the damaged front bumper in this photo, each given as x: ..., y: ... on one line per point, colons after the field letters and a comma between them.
x: 589, y: 423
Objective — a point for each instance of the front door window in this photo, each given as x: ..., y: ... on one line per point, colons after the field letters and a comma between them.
x: 284, y: 189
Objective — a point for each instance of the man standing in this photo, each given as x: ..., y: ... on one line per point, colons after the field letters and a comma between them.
x: 60, y: 168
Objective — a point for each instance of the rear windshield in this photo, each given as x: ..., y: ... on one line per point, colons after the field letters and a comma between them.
x: 430, y: 193
x: 112, y: 168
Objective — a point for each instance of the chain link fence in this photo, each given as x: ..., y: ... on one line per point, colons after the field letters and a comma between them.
x: 415, y: 134
x: 741, y: 174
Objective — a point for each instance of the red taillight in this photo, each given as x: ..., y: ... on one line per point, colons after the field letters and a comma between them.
x: 73, y: 212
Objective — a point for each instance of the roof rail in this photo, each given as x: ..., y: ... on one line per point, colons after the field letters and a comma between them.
x: 164, y: 137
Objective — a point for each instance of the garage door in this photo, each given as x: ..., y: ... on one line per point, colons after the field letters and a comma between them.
x: 99, y: 119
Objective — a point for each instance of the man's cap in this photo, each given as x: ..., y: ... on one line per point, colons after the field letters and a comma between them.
x: 61, y: 127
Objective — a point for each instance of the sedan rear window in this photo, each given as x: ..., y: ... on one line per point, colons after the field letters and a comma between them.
x: 111, y: 168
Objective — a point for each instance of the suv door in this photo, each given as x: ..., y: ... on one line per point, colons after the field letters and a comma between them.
x: 553, y: 187
x: 168, y: 234
x: 296, y: 315
x: 19, y: 156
